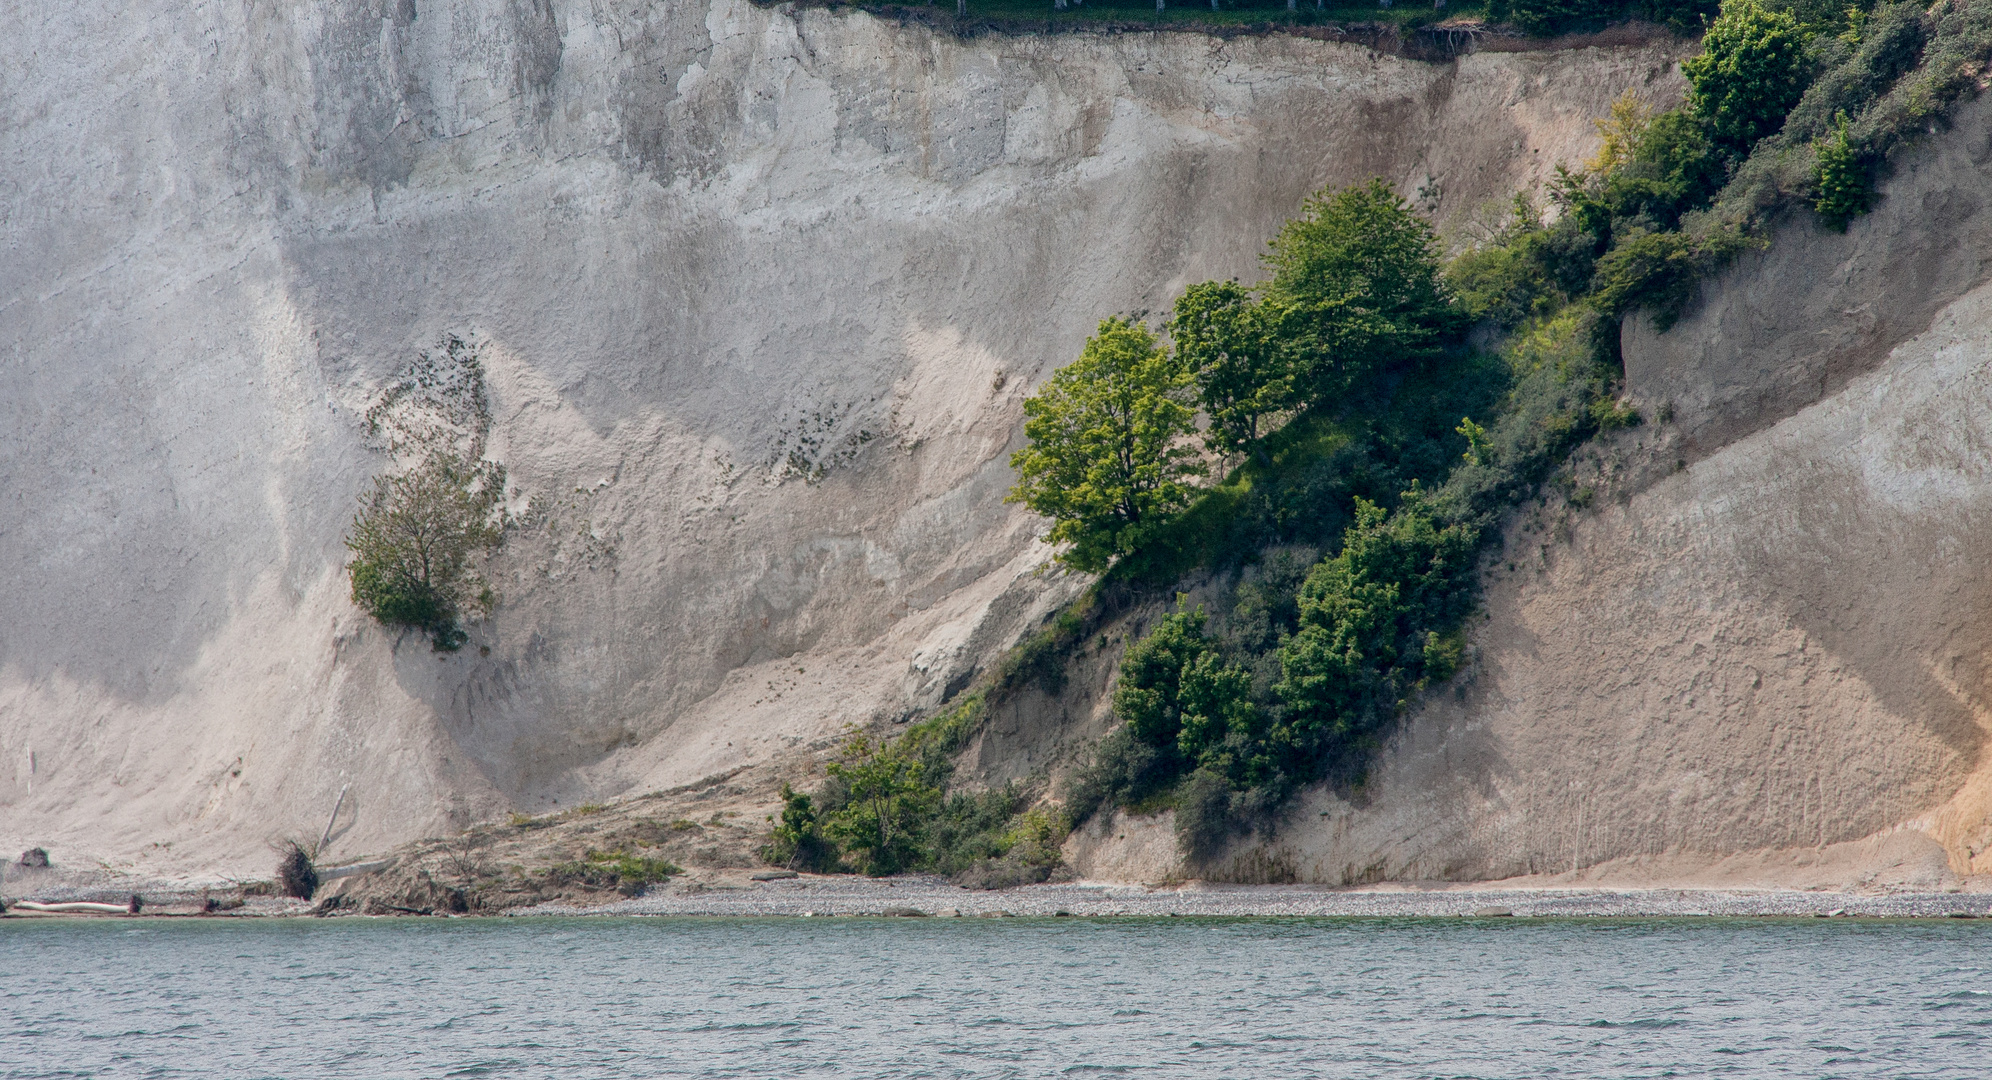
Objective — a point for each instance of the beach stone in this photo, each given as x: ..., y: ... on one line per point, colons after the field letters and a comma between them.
x: 35, y: 857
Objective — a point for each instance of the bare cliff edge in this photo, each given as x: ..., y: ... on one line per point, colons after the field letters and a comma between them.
x: 758, y: 293
x: 1760, y: 656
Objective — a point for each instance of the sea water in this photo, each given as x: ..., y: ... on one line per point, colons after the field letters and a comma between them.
x: 994, y: 998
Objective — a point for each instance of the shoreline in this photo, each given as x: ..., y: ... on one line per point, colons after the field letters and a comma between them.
x: 838, y: 897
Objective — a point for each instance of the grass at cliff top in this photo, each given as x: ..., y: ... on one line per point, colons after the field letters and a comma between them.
x: 1040, y: 14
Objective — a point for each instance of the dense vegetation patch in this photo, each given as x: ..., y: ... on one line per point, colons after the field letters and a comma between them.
x: 1311, y: 442
x: 885, y: 809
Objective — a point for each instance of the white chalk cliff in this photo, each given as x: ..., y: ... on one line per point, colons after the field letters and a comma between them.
x: 758, y: 293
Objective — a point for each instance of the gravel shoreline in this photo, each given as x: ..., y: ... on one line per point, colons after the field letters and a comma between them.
x: 830, y: 896
x: 735, y: 896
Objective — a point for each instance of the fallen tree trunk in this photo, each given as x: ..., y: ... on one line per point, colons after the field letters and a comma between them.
x: 77, y: 905
x: 91, y: 907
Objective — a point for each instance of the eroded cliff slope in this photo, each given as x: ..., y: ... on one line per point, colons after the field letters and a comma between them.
x: 1759, y: 654
x: 757, y: 294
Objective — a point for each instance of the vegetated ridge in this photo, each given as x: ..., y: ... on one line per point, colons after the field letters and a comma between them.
x: 1328, y: 381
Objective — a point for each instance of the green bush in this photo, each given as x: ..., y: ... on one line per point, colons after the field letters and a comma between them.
x: 996, y: 839
x: 1148, y: 696
x: 1673, y: 169
x: 1123, y: 771
x: 886, y: 809
x: 629, y: 873
x: 416, y: 541
x: 1752, y: 69
x: 1367, y: 616
x: 1652, y: 270
x: 1206, y: 817
x: 1178, y: 694
x: 797, y: 841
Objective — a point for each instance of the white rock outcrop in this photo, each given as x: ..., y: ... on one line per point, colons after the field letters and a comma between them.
x: 757, y: 291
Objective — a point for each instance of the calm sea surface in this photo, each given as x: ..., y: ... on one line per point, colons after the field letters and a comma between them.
x: 996, y: 998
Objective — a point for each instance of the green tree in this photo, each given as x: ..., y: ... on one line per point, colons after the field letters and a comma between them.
x: 1845, y: 189
x: 1222, y: 728
x: 1355, y: 285
x: 1107, y: 459
x: 1752, y: 69
x: 1148, y: 697
x: 416, y: 541
x: 1178, y: 694
x: 1241, y: 372
x: 889, y: 803
x: 1368, y: 618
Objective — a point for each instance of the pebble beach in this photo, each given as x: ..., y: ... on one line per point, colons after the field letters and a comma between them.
x: 806, y: 896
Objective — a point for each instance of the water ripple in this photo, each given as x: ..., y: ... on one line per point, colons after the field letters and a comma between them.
x: 1393, y: 999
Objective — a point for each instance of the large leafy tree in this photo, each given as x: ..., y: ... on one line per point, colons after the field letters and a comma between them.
x: 1107, y: 459
x: 416, y: 542
x: 1355, y: 286
x: 1242, y: 374
x: 1752, y: 69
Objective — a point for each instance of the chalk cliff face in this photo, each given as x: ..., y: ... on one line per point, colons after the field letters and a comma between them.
x: 1760, y: 655
x: 756, y: 292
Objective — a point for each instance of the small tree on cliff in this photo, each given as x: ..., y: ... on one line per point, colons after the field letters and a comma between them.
x: 1108, y: 460
x: 1752, y: 69
x: 415, y: 542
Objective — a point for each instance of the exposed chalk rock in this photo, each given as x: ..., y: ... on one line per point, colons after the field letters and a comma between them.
x: 757, y: 294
